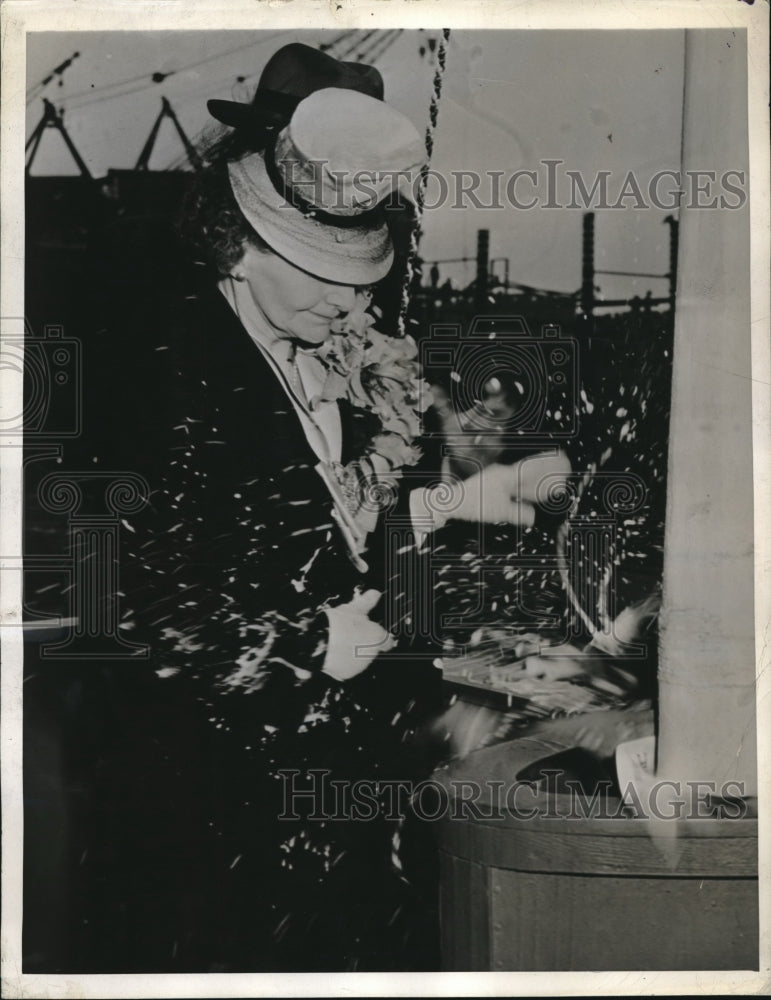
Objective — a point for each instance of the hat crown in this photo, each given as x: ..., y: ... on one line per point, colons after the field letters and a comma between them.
x: 344, y: 152
x: 309, y: 193
x: 353, y: 132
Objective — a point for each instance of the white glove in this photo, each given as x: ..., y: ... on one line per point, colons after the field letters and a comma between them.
x: 495, y: 494
x: 488, y: 496
x: 491, y: 496
x: 354, y: 641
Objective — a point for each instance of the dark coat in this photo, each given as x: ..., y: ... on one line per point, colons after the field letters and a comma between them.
x: 229, y: 563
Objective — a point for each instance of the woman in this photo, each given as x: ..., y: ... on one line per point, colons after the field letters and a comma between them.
x: 272, y: 433
x: 250, y: 576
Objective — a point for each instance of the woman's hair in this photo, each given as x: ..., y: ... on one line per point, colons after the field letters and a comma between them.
x: 211, y: 224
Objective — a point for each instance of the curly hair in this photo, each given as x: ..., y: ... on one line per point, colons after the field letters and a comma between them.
x: 211, y: 224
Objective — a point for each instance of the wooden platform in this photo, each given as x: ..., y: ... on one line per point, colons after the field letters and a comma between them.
x: 561, y: 891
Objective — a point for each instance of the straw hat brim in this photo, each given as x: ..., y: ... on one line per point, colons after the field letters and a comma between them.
x: 355, y: 255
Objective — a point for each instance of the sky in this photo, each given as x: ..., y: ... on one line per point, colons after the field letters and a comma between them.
x: 595, y: 100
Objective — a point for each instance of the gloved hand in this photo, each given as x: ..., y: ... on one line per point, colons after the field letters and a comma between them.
x: 496, y: 494
x: 491, y: 496
x: 354, y: 640
x: 488, y: 497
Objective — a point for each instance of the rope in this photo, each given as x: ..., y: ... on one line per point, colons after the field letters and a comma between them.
x: 433, y: 116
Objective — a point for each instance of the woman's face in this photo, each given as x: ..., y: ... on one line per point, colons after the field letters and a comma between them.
x: 295, y: 303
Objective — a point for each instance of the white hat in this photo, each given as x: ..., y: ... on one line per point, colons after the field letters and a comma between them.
x: 318, y: 196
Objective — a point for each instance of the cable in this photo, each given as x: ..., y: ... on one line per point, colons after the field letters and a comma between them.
x: 241, y: 48
x: 148, y: 79
x: 98, y: 91
x: 387, y: 46
x: 134, y: 85
x: 379, y: 46
x: 365, y: 50
x: 326, y: 46
x: 203, y: 134
x: 38, y: 88
x: 357, y: 44
x: 211, y: 88
x: 159, y: 77
x: 98, y: 98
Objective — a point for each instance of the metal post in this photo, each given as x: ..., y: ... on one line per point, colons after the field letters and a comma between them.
x: 707, y: 648
x: 674, y: 234
x: 587, y: 267
x: 483, y: 268
x: 147, y: 149
x: 192, y: 155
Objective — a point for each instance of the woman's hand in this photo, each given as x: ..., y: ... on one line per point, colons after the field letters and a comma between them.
x: 492, y: 496
x: 488, y: 497
x: 542, y: 477
x: 498, y: 493
x: 354, y: 640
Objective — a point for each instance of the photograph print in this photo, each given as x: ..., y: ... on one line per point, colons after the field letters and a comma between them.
x: 388, y: 554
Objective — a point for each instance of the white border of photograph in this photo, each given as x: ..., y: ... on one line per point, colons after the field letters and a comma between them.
x: 22, y: 16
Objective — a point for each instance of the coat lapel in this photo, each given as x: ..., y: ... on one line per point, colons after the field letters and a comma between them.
x: 242, y: 385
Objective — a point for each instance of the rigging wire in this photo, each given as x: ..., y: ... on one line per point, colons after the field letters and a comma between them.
x: 357, y: 44
x: 381, y: 52
x: 380, y: 45
x: 94, y: 94
x: 205, y: 132
x: 326, y: 46
x: 212, y: 88
x: 134, y: 85
x: 38, y: 88
x: 127, y: 91
x: 365, y: 50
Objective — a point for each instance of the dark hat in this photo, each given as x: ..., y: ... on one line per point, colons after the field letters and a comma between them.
x: 294, y: 72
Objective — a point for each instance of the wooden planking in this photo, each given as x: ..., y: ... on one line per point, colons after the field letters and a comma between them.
x: 571, y: 846
x: 464, y: 913
x: 579, y: 923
